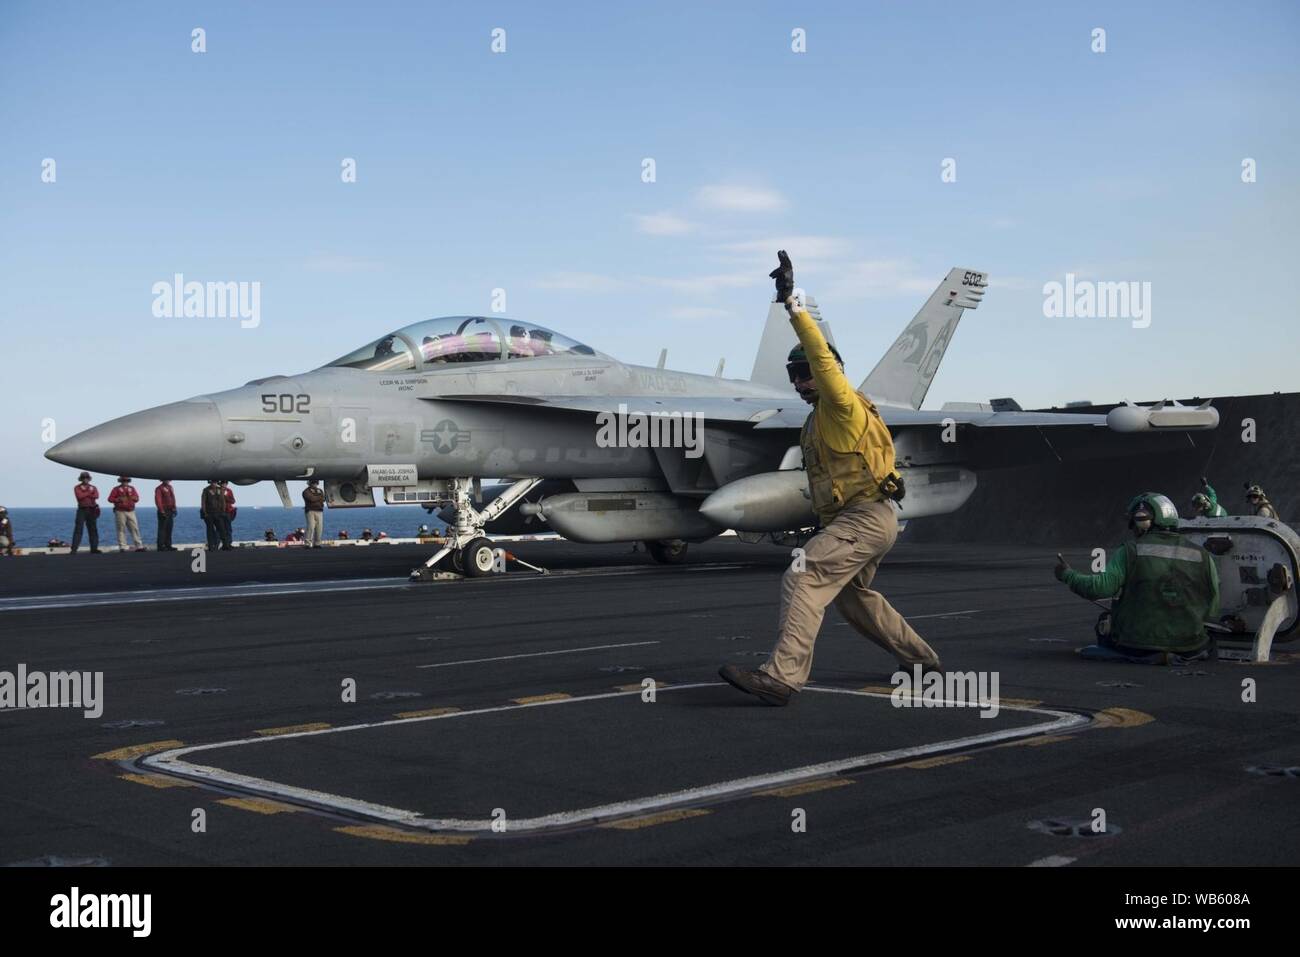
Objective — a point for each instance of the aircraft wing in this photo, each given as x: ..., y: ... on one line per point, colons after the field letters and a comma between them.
x: 898, y: 418
x: 715, y: 409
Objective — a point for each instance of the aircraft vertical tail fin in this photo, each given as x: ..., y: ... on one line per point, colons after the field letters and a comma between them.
x: 903, y: 375
x: 777, y: 341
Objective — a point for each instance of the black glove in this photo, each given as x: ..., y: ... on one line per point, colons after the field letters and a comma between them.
x: 784, y: 276
x: 1205, y: 482
x: 1062, y: 566
x: 893, y: 487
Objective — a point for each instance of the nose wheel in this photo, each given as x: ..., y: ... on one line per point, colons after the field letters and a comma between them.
x: 477, y: 559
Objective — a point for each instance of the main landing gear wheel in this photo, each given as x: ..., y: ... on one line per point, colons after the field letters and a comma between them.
x: 667, y: 553
x: 478, y: 558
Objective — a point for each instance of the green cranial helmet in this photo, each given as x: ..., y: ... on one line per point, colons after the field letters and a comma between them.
x: 1201, y: 501
x: 797, y: 354
x: 1163, y: 513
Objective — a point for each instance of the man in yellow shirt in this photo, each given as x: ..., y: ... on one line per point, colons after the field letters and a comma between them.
x: 849, y: 456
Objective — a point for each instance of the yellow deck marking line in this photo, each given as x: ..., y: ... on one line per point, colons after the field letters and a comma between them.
x: 808, y: 787
x: 658, y: 684
x: 1122, y: 718
x: 294, y: 728
x: 426, y: 713
x: 877, y: 689
x: 937, y: 761
x: 180, y: 761
x: 650, y: 820
x: 157, y: 781
x: 539, y: 698
x: 136, y: 750
x: 259, y: 805
x: 378, y: 832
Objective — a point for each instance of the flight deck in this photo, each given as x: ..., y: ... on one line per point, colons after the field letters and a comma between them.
x: 318, y: 708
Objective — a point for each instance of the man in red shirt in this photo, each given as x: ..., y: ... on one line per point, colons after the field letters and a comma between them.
x: 164, y: 499
x: 87, y: 513
x: 123, y: 499
x: 231, y: 512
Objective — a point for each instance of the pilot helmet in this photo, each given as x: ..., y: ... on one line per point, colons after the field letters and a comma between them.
x: 1254, y: 491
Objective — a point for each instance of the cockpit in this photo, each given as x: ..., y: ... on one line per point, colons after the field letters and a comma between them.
x: 459, y: 339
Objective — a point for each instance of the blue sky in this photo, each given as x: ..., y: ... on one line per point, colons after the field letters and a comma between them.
x: 522, y: 171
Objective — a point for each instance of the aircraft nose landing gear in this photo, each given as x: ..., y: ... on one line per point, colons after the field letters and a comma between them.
x: 467, y: 551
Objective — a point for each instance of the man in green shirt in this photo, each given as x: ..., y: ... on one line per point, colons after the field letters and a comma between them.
x: 1165, y: 586
x: 1205, y: 503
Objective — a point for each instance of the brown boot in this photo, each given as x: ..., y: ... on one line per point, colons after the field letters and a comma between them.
x: 758, y: 683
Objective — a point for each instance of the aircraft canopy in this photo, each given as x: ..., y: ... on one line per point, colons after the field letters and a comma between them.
x: 459, y: 339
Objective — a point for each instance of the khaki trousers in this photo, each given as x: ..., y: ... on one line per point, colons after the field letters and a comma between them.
x: 127, y: 522
x: 315, y: 525
x: 839, y: 563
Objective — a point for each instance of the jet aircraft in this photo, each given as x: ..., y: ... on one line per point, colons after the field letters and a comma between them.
x: 427, y: 411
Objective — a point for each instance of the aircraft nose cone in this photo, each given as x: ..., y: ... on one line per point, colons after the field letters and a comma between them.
x: 180, y: 441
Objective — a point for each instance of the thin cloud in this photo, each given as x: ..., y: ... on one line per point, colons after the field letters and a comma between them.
x: 707, y: 285
x: 801, y: 248
x: 879, y: 278
x: 581, y: 282
x: 664, y: 224
x: 740, y: 199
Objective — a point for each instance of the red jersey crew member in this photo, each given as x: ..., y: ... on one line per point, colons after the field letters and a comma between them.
x: 123, y: 499
x: 87, y: 513
x: 849, y: 456
x: 164, y: 500
x: 313, y: 503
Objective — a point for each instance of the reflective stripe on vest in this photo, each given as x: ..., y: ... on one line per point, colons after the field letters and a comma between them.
x: 1176, y: 552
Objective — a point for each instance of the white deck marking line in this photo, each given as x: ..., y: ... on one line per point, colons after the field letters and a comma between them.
x: 1056, y: 860
x: 171, y: 762
x: 259, y: 589
x: 537, y: 654
x: 943, y: 614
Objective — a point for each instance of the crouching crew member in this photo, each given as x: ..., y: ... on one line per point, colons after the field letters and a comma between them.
x: 1205, y: 503
x: 849, y: 456
x: 1165, y: 588
x: 1260, y: 506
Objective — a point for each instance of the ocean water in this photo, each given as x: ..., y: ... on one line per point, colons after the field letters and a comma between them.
x: 34, y: 527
